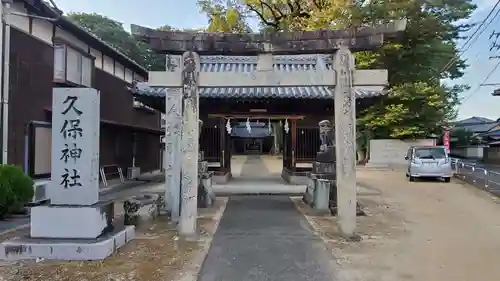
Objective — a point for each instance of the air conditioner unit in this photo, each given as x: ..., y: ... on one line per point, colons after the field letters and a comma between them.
x: 40, y: 188
x: 133, y: 172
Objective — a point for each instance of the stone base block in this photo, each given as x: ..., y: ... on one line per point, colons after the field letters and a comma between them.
x: 66, y: 249
x: 77, y: 222
x: 308, y: 197
x: 222, y: 178
x: 294, y: 178
x: 143, y: 208
x: 321, y: 195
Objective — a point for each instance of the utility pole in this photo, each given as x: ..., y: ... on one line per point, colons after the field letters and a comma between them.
x: 5, y: 77
x: 3, y: 120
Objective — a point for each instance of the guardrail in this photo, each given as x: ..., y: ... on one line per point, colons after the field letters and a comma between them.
x: 478, y: 176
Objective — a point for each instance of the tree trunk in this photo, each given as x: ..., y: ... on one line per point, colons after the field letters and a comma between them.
x: 361, y: 156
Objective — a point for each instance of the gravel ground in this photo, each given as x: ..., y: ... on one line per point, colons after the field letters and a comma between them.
x: 417, y: 231
x: 157, y: 253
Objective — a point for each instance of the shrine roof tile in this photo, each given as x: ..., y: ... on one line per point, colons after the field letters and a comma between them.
x: 249, y: 64
x: 308, y: 92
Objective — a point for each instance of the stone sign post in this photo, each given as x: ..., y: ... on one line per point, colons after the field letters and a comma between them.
x: 75, y: 147
x: 173, y: 157
x: 189, y: 143
x: 76, y: 225
x: 345, y: 140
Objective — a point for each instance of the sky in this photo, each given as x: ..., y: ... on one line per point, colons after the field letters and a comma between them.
x: 185, y: 14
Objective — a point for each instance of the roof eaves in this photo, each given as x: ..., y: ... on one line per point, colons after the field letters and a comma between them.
x: 66, y: 23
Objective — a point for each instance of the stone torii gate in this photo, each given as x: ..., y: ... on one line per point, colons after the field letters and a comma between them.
x: 189, y: 78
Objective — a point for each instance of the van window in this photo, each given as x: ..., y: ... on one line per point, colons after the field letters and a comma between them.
x: 430, y: 152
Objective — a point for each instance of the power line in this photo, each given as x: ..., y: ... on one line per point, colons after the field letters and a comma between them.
x: 483, y: 82
x: 457, y: 56
x: 494, y: 46
x: 482, y: 23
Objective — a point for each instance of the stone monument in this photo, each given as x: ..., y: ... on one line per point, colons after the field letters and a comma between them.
x: 206, y: 196
x: 326, y: 153
x: 172, y: 155
x: 56, y: 230
x: 321, y: 190
x: 189, y: 143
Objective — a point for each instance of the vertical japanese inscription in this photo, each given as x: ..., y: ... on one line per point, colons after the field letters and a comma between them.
x: 173, y: 125
x: 75, y: 147
x: 189, y: 143
x: 345, y: 140
x: 71, y: 132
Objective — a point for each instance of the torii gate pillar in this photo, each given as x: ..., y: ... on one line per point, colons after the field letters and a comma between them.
x: 308, y: 42
x: 345, y: 140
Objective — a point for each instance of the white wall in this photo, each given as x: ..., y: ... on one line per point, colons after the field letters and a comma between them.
x: 475, y: 152
x: 389, y: 152
x: 44, y: 31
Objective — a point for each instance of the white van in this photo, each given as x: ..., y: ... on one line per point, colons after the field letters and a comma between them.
x: 428, y: 161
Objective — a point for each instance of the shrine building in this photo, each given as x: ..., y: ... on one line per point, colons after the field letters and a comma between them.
x: 261, y: 120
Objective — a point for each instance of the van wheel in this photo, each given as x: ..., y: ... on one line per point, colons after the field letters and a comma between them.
x: 447, y: 179
x: 411, y: 178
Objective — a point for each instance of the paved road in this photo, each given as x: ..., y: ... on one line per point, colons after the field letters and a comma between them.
x: 266, y: 238
x: 480, y: 174
x: 490, y: 167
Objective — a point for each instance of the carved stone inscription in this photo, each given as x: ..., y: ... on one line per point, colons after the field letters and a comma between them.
x: 75, y: 147
x: 189, y: 143
x: 173, y: 127
x: 345, y: 139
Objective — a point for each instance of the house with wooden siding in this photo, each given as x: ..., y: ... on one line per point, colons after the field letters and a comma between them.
x: 46, y: 54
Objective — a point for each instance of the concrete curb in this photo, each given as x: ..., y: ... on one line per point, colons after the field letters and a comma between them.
x: 334, y: 262
x: 193, y: 270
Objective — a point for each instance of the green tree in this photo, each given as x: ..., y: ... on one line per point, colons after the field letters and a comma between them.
x: 461, y: 137
x: 224, y: 16
x: 113, y: 33
x: 417, y: 103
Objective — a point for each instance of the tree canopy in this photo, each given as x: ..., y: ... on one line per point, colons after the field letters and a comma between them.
x: 417, y: 104
x: 113, y: 33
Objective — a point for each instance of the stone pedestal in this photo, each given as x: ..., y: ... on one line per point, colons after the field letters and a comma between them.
x: 75, y: 226
x: 66, y: 249
x: 142, y: 208
x: 322, y: 186
x: 321, y: 195
x: 206, y: 196
x: 60, y: 222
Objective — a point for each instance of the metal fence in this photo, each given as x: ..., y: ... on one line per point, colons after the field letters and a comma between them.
x: 478, y: 176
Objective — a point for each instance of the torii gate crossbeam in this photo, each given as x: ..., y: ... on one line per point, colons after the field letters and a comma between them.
x: 343, y: 78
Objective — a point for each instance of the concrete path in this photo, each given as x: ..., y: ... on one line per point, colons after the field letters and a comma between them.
x: 254, y: 168
x: 266, y: 238
x: 257, y: 174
